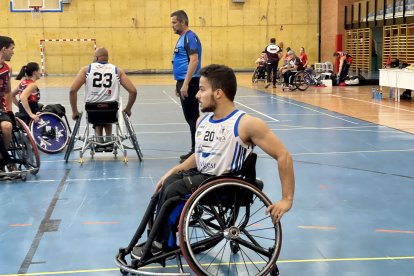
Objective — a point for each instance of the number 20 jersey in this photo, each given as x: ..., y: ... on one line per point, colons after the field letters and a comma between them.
x: 219, y: 149
x: 102, y: 83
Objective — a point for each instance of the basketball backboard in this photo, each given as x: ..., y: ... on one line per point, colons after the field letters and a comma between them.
x: 45, y: 5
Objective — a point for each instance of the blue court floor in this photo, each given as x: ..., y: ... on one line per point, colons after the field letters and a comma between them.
x: 352, y: 213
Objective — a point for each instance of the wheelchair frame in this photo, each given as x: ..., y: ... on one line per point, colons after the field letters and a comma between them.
x: 91, y: 142
x: 22, y: 151
x: 215, y: 209
x: 301, y: 81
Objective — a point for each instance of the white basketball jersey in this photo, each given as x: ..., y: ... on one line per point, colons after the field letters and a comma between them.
x: 102, y: 83
x: 219, y: 149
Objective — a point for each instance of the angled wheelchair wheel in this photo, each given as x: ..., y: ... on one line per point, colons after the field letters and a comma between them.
x: 50, y: 133
x: 254, y: 76
x: 224, y: 230
x: 132, y: 136
x: 26, y: 148
x: 72, y: 138
x: 302, y: 80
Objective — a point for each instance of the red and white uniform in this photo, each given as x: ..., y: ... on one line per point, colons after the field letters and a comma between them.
x: 34, y: 97
x: 4, y: 81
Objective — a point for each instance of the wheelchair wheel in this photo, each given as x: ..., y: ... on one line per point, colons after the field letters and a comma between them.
x: 255, y: 75
x: 72, y: 139
x: 224, y: 230
x: 302, y: 80
x: 132, y: 136
x: 50, y: 133
x: 26, y: 148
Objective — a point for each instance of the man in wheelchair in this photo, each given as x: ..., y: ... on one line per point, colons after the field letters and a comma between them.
x: 102, y: 89
x: 291, y: 68
x: 6, y: 52
x: 225, y: 136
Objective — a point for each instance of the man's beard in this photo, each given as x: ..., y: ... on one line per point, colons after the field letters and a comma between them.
x: 211, y: 108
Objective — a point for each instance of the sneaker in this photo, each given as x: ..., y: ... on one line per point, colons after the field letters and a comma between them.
x: 185, y: 156
x: 137, y: 251
x: 267, y: 85
x: 109, y: 148
x: 274, y: 86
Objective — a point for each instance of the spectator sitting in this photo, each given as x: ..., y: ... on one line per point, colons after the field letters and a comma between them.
x: 303, y: 57
x: 261, y: 65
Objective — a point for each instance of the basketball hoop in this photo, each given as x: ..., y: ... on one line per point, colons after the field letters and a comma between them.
x: 35, y: 11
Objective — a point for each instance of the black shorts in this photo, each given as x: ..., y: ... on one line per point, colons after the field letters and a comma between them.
x: 4, y: 117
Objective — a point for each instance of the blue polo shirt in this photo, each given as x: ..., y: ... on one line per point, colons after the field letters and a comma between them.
x: 187, y: 44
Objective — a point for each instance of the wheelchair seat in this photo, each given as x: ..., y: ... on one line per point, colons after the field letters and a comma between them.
x: 102, y: 113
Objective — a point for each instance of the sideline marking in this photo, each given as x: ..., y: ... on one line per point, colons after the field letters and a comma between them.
x: 394, y: 231
x: 20, y: 225
x: 171, y: 98
x: 258, y: 112
x: 314, y: 110
x: 261, y: 262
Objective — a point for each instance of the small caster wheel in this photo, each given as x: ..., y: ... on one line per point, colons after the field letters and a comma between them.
x: 23, y: 176
x: 81, y: 160
x: 125, y: 159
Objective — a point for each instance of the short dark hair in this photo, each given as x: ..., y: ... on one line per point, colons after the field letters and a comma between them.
x: 27, y: 70
x: 221, y: 77
x: 181, y: 16
x: 5, y: 41
x: 273, y: 40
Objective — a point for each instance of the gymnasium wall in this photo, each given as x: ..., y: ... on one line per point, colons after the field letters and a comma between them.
x: 139, y: 36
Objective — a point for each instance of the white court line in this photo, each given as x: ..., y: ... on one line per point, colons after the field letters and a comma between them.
x: 357, y: 129
x: 343, y: 152
x: 314, y: 110
x: 172, y: 99
x: 364, y: 101
x: 258, y: 112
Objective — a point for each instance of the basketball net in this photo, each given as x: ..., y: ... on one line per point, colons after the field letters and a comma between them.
x: 35, y: 11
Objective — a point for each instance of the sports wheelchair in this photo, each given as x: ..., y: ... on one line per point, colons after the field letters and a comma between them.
x: 301, y: 80
x: 259, y: 74
x: 222, y: 230
x: 22, y: 151
x: 103, y: 113
x: 50, y: 133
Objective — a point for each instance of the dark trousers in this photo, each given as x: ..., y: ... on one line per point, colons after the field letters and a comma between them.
x: 181, y: 184
x: 344, y: 72
x: 190, y: 106
x: 272, y: 70
x: 288, y: 77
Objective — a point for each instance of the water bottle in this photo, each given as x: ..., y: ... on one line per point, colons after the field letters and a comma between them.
x: 374, y: 91
x: 379, y: 94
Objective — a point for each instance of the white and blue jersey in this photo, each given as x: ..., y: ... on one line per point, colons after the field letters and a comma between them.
x: 102, y: 83
x: 219, y: 149
x: 187, y: 44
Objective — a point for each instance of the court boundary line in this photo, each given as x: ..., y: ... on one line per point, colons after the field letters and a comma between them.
x: 326, y: 260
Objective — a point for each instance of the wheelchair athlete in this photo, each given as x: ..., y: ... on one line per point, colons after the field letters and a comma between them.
x: 28, y: 92
x: 291, y: 68
x: 6, y: 53
x: 224, y: 138
x: 102, y: 85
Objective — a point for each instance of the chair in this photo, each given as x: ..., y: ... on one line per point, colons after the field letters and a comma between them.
x: 101, y: 114
x: 223, y: 223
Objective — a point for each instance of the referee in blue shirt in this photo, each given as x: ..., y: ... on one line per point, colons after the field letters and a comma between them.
x: 186, y: 64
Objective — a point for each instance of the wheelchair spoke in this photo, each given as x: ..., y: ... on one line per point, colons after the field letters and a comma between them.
x: 256, y: 248
x: 257, y: 221
x: 218, y: 253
